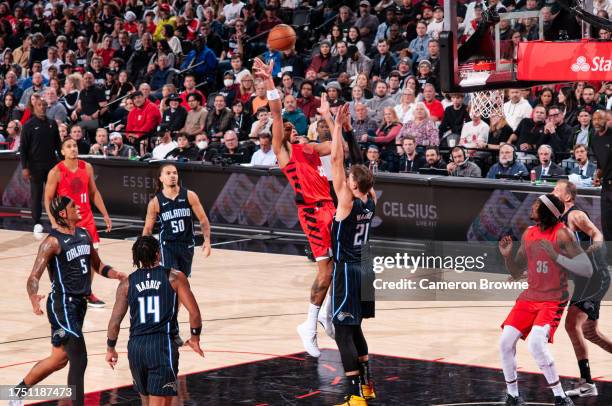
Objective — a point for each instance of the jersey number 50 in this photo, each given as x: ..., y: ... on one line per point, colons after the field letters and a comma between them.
x: 178, y: 226
x: 152, y: 308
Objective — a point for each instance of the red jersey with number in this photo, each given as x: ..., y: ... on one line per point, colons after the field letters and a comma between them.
x: 305, y: 174
x: 547, y: 279
x: 75, y: 185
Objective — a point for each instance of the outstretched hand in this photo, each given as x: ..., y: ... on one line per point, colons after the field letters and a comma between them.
x: 324, y: 108
x: 263, y: 70
x: 505, y: 246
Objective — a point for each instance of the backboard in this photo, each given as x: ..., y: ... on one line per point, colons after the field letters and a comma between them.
x: 489, y: 50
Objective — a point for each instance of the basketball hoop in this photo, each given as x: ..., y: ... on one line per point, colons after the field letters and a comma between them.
x: 485, y: 102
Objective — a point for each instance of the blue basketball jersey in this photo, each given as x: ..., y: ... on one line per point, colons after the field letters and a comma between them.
x: 69, y: 270
x: 152, y: 302
x: 175, y: 218
x: 350, y: 236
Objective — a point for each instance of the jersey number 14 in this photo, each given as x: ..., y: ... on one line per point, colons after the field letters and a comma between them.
x: 151, y: 308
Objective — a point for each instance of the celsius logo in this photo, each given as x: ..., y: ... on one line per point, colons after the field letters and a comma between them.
x: 598, y: 64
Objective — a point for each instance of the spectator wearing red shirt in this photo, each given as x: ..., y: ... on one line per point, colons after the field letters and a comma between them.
x: 190, y: 87
x: 143, y: 119
x: 436, y: 110
x: 307, y: 102
x: 130, y: 24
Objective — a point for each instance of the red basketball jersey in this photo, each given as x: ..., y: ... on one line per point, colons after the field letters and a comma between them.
x: 547, y: 279
x: 75, y: 185
x: 305, y: 174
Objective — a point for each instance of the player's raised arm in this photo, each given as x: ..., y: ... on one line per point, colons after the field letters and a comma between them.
x: 120, y: 308
x: 514, y: 264
x: 324, y: 148
x: 198, y: 210
x: 572, y: 257
x: 105, y: 270
x: 47, y: 250
x: 264, y: 72
x: 180, y: 284
x: 53, y: 179
x: 96, y: 197
x: 152, y: 213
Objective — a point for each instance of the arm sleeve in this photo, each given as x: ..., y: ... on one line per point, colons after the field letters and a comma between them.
x: 580, y: 264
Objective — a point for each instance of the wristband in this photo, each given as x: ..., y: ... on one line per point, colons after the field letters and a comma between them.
x: 106, y: 270
x: 196, y: 331
x: 111, y: 343
x: 273, y: 95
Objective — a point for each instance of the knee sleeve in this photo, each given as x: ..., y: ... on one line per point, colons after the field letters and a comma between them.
x: 346, y: 346
x: 537, y: 344
x: 360, y: 342
x: 507, y: 351
x: 77, y: 357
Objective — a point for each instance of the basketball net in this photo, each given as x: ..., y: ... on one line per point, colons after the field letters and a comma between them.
x: 485, y: 103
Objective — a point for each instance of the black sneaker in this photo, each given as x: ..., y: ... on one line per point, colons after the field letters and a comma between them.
x: 514, y: 401
x: 566, y: 401
x: 95, y: 302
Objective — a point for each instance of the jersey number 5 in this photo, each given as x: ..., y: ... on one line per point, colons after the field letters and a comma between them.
x: 152, y: 308
x: 178, y: 226
x: 361, y: 234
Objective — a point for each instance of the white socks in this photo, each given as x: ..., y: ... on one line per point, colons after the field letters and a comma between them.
x: 313, y: 313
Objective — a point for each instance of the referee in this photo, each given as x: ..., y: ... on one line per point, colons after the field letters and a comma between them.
x: 40, y: 144
x: 602, y: 146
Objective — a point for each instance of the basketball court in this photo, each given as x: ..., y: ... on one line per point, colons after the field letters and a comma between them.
x: 430, y: 353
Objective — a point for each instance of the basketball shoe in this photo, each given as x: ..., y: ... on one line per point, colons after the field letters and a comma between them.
x: 368, y: 391
x: 325, y: 318
x: 94, y: 301
x: 309, y: 339
x: 582, y: 389
x: 514, y: 401
x: 566, y: 401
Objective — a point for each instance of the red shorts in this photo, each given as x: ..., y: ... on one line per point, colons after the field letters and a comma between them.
x: 316, y: 221
x: 89, y: 224
x: 525, y: 314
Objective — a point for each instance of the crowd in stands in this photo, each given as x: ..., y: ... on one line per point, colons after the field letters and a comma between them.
x: 171, y: 80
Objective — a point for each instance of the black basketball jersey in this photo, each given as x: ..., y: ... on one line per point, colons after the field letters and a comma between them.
x: 152, y: 302
x: 69, y: 270
x: 581, y: 236
x: 175, y: 218
x: 350, y: 236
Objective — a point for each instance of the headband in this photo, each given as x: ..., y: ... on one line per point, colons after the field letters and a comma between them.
x: 553, y: 209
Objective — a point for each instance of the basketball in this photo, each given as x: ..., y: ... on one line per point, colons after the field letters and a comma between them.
x: 281, y: 38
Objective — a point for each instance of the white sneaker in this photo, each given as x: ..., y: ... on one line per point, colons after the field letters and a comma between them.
x: 309, y: 340
x: 326, y: 321
x: 38, y: 228
x: 582, y: 389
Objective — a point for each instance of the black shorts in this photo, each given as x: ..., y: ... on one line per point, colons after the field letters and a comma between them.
x: 154, y: 364
x: 589, y: 292
x: 347, y: 305
x: 177, y: 255
x: 66, y: 315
